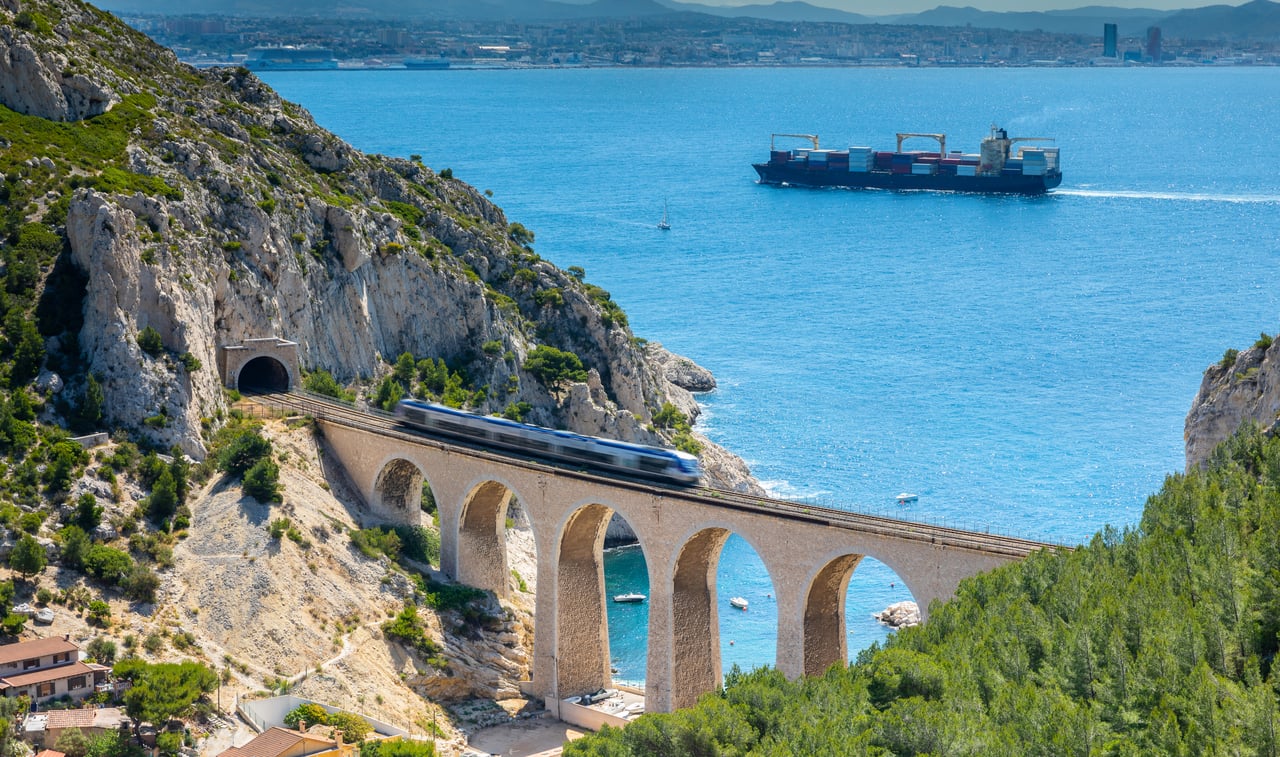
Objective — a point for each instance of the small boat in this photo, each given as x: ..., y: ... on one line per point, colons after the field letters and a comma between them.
x: 663, y: 223
x: 629, y: 599
x: 738, y: 602
x: 904, y: 498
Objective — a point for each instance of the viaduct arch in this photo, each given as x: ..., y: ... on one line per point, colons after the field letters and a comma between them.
x: 681, y: 532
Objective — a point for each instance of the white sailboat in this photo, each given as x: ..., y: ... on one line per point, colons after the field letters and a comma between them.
x: 663, y: 223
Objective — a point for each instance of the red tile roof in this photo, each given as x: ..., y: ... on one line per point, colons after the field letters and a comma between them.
x: 49, y: 753
x: 47, y: 674
x: 28, y: 650
x: 274, y: 742
x: 108, y: 718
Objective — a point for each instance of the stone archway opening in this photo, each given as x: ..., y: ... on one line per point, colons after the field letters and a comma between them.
x: 872, y: 588
x: 626, y: 575
x: 482, y: 542
x: 263, y: 374
x: 582, y: 637
x: 825, y: 627
x: 748, y: 638
x: 398, y: 493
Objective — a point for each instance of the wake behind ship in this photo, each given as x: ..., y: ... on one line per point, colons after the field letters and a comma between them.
x: 995, y: 168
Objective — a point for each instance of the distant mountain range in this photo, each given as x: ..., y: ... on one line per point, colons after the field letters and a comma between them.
x: 1259, y: 19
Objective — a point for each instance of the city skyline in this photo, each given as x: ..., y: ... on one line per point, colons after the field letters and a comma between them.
x: 890, y: 7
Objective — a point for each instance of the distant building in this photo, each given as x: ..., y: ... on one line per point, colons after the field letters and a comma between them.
x: 43, y: 728
x: 1153, y: 44
x: 1108, y: 40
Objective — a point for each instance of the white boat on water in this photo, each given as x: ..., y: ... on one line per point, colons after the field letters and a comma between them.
x: 738, y: 602
x: 629, y: 598
x: 904, y: 498
x: 663, y: 224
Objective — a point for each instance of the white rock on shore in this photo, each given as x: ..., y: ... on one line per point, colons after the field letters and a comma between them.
x: 899, y: 615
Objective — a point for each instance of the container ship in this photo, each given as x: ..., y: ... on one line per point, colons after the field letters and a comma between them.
x: 997, y: 167
x: 290, y: 59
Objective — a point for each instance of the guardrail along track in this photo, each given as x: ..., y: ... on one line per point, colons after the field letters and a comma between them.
x: 331, y: 411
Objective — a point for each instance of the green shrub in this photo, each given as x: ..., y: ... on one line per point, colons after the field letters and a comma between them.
x: 244, y: 451
x: 419, y: 543
x: 407, y: 628
x: 190, y: 362
x: 107, y: 563
x: 322, y: 382
x: 551, y: 297
x: 1229, y: 358
x: 150, y: 342
x: 492, y: 348
x: 375, y: 542
x: 309, y: 713
x: 262, y: 481
x: 1264, y: 341
x: 515, y: 411
x: 554, y: 367
x: 99, y: 613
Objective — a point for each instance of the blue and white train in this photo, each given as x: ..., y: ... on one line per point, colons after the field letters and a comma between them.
x: 669, y: 465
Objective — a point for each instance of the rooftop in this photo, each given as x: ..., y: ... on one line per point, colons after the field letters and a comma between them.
x: 26, y: 650
x: 275, y: 741
x: 51, y: 674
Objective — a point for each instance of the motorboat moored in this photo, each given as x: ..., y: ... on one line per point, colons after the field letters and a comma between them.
x: 738, y: 602
x: 629, y: 598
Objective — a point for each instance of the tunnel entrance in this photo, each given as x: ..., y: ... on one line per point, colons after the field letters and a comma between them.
x: 263, y: 374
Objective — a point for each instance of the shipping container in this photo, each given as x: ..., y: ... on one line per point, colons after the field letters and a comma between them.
x: 965, y: 169
x: 924, y: 169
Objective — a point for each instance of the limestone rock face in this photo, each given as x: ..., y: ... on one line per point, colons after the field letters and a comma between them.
x: 1246, y: 390
x: 41, y: 84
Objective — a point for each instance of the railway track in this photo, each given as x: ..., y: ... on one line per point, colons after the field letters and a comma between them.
x: 331, y: 411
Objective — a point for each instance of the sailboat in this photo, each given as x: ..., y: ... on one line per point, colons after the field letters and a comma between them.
x: 663, y: 223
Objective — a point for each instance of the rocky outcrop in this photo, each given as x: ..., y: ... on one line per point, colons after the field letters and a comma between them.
x: 680, y: 371
x: 43, y: 84
x: 899, y: 615
x: 1246, y: 389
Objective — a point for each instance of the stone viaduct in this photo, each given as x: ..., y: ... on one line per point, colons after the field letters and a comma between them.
x: 810, y: 554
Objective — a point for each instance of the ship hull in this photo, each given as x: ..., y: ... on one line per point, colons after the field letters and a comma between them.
x: 879, y: 179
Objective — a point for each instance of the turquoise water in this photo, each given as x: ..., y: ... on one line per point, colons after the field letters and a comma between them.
x: 1023, y: 364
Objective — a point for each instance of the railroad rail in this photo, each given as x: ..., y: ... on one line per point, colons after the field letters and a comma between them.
x: 374, y: 421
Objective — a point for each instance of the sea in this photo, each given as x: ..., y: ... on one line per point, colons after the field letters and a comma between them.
x: 1022, y: 364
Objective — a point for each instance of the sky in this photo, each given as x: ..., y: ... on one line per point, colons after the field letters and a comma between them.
x: 885, y: 7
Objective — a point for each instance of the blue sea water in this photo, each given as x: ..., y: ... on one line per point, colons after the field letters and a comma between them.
x: 1022, y: 364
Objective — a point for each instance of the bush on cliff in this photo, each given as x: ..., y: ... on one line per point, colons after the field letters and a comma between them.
x: 1159, y: 639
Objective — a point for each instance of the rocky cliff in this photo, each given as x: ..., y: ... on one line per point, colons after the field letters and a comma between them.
x: 1242, y: 387
x: 201, y: 205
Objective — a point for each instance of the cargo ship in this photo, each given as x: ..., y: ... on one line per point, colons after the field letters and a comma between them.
x: 997, y: 167
x: 289, y: 58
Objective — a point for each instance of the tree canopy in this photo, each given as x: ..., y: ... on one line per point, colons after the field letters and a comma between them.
x: 554, y: 367
x: 163, y: 691
x: 1158, y: 639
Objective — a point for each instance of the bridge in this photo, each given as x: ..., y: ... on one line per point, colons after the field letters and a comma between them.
x: 809, y: 552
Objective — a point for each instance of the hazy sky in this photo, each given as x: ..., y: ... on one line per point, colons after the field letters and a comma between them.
x: 882, y: 7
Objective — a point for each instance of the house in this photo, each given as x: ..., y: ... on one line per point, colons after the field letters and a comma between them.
x: 282, y: 742
x: 44, y: 728
x: 47, y: 668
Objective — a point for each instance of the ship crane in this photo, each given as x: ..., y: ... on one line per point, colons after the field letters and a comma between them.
x: 811, y: 137
x: 941, y: 139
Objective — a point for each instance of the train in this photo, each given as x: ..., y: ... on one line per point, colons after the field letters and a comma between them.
x: 639, y: 460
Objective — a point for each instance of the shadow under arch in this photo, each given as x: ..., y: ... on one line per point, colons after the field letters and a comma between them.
x: 825, y: 636
x: 397, y: 493
x: 263, y: 374
x: 482, y: 543
x: 582, y: 634
x: 695, y: 664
